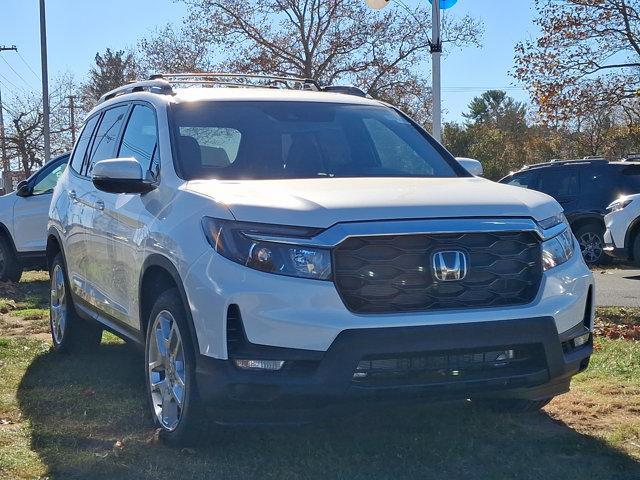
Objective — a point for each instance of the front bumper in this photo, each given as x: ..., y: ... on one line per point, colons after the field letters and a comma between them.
x: 314, y: 378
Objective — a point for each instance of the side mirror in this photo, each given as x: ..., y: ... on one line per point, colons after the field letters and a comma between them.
x: 23, y: 189
x: 474, y: 167
x: 120, y: 175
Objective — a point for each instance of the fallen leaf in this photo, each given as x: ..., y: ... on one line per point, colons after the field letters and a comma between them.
x: 154, y: 439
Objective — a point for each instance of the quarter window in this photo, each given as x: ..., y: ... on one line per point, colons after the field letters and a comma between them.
x: 104, y: 145
x: 140, y: 139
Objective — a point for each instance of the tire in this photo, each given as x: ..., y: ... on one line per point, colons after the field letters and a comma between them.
x: 591, y: 240
x: 10, y: 267
x: 69, y: 332
x: 635, y: 251
x: 511, y: 405
x: 170, y: 370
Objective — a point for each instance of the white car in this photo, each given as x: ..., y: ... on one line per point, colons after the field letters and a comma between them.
x: 622, y: 237
x: 278, y: 246
x: 23, y: 221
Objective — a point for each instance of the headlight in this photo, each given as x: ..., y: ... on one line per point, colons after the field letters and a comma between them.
x: 233, y: 240
x: 557, y: 250
x: 619, y: 204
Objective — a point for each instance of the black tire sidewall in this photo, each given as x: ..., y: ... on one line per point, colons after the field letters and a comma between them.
x: 79, y: 335
x: 12, y: 270
x: 63, y: 346
x: 170, y: 300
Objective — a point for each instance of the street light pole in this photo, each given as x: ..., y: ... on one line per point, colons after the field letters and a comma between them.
x: 45, y: 83
x: 436, y: 52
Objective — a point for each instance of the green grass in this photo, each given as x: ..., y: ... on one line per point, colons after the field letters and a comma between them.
x: 61, y: 416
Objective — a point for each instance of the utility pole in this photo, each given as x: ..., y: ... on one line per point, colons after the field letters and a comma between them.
x: 45, y: 84
x: 436, y: 52
x: 3, y: 146
x: 72, y: 119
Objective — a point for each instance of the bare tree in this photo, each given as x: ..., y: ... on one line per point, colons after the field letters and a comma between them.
x: 586, y: 58
x: 330, y: 41
x: 24, y: 135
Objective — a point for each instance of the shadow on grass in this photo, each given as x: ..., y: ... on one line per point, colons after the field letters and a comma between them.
x: 79, y: 406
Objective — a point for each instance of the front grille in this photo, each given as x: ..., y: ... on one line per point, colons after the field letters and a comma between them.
x: 386, y: 274
x: 450, y: 366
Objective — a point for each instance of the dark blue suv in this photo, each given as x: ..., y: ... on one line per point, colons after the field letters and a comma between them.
x: 584, y: 188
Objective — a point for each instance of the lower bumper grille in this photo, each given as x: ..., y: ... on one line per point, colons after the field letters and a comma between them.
x: 450, y: 366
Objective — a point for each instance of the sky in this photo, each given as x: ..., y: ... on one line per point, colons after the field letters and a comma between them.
x: 77, y: 29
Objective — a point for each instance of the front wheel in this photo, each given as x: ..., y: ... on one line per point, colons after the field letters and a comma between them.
x: 69, y: 332
x: 170, y: 369
x: 511, y: 405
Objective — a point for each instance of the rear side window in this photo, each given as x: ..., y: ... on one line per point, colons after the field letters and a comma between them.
x: 140, y: 138
x: 632, y: 178
x: 104, y: 145
x: 559, y: 182
x: 82, y: 144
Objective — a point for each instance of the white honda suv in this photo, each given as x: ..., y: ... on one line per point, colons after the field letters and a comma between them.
x: 306, y: 245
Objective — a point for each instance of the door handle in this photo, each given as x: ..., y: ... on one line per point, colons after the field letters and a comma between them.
x: 72, y: 196
x: 100, y: 205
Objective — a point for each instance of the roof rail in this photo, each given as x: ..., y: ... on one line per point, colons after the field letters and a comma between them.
x: 154, y: 85
x: 567, y: 162
x: 238, y: 80
x: 164, y: 83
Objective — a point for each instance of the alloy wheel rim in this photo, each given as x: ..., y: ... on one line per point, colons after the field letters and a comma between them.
x: 58, y: 305
x: 167, y: 370
x: 591, y: 247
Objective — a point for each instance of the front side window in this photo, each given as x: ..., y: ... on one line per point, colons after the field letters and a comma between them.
x: 48, y: 180
x: 525, y: 180
x: 273, y: 140
x: 83, y: 143
x: 104, y: 145
x: 140, y: 138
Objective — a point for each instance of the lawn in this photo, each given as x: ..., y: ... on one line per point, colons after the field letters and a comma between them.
x: 84, y: 417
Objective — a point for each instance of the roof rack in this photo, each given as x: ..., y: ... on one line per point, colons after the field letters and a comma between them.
x: 154, y: 85
x: 574, y: 161
x: 239, y: 80
x: 164, y: 83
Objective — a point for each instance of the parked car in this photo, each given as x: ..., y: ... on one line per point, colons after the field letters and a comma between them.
x: 298, y: 246
x: 23, y: 221
x: 622, y: 237
x: 584, y: 188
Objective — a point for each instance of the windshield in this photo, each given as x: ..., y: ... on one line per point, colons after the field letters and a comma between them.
x: 274, y: 140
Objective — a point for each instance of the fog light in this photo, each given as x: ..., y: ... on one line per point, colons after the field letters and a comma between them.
x: 259, y: 364
x: 581, y: 340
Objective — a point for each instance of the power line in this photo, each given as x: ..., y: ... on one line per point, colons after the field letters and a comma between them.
x: 28, y: 66
x: 15, y: 71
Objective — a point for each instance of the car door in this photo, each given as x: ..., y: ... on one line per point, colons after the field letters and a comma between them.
x: 78, y: 211
x: 30, y: 213
x: 99, y: 230
x: 125, y: 216
x: 563, y: 184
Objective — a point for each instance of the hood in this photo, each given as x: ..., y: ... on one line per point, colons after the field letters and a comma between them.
x: 322, y: 202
